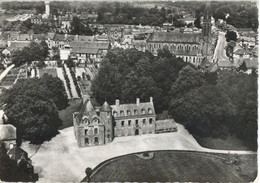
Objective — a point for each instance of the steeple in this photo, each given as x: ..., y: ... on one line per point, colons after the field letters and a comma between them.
x: 105, y: 107
x: 89, y: 106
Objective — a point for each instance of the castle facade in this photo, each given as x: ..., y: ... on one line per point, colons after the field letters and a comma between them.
x: 100, y: 125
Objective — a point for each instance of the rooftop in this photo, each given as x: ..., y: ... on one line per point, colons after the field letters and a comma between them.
x: 174, y: 37
x: 7, y: 132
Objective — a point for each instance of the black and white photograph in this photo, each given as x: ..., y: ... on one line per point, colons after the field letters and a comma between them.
x: 128, y: 91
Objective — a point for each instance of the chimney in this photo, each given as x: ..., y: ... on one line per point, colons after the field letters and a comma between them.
x: 151, y: 99
x: 117, y: 103
x: 137, y: 101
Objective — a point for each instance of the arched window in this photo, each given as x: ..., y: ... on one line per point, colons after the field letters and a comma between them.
x: 128, y: 113
x: 122, y: 113
x: 143, y: 111
x: 135, y: 112
x: 115, y: 114
x: 85, y: 120
x: 95, y: 120
x: 150, y: 111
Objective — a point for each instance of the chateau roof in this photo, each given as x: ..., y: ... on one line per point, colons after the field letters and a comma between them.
x: 105, y: 107
x: 174, y: 37
x: 139, y: 108
x: 7, y: 132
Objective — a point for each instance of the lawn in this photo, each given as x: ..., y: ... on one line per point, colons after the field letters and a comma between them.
x: 181, y: 166
x: 66, y: 114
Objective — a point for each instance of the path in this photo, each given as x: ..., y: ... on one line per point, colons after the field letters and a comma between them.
x: 3, y: 74
x: 220, y: 52
x: 61, y: 76
x: 61, y: 160
x: 72, y: 86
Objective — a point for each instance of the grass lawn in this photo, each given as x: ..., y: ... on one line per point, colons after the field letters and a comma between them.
x: 178, y: 166
x: 230, y: 143
x: 66, y: 114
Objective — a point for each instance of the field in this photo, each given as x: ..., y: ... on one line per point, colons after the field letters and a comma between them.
x: 179, y: 166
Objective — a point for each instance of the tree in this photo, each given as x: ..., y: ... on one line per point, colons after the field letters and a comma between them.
x: 88, y: 172
x: 31, y: 106
x: 242, y: 67
x: 231, y: 35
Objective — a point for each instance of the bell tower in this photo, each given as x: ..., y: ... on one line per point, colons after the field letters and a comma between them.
x: 206, y: 32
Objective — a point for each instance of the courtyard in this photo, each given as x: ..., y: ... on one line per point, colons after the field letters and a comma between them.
x: 61, y: 160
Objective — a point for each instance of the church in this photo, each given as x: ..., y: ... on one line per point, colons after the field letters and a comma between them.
x: 100, y: 125
x: 191, y: 47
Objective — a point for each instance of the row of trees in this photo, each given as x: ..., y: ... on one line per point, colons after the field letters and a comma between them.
x: 128, y: 74
x: 216, y: 104
x: 207, y: 104
x: 32, y: 105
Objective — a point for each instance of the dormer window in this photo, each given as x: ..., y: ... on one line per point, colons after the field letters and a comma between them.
x: 150, y: 111
x: 122, y: 113
x: 143, y: 111
x: 115, y: 114
x: 128, y: 113
x: 135, y: 112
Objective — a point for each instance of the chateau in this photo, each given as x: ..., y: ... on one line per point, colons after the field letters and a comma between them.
x: 100, y: 125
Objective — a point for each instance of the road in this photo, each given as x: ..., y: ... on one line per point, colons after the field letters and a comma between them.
x: 3, y: 74
x: 220, y: 52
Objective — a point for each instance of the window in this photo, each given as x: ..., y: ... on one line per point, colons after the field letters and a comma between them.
x: 143, y: 111
x: 96, y: 139
x: 86, y: 131
x: 122, y: 113
x: 108, y: 136
x: 122, y: 123
x: 114, y: 124
x: 128, y: 112
x: 129, y: 122
x: 144, y: 121
x: 115, y: 114
x: 86, y: 141
x: 135, y: 112
x: 151, y: 120
x: 150, y: 111
x: 95, y: 131
x: 108, y: 114
x: 136, y: 122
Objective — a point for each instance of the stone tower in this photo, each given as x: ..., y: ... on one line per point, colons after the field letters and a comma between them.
x: 47, y: 8
x: 106, y: 117
x: 206, y: 33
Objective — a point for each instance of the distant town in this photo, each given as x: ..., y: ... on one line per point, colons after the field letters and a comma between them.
x: 138, y: 91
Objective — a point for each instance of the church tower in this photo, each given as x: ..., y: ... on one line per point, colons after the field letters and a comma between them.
x: 206, y: 33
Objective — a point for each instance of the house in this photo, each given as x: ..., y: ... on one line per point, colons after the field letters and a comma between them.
x: 241, y: 53
x: 36, y: 19
x: 140, y: 45
x: 85, y: 50
x: 16, y: 45
x: 228, y: 65
x: 251, y: 64
x: 23, y: 161
x: 207, y: 66
x: 7, y: 135
x: 99, y: 125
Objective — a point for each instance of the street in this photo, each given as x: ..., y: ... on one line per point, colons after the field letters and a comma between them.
x: 220, y: 52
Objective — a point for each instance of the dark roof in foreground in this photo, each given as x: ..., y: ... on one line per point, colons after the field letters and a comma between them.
x: 7, y: 132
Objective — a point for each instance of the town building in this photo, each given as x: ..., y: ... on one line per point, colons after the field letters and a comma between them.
x: 36, y: 19
x: 100, y: 125
x: 190, y: 46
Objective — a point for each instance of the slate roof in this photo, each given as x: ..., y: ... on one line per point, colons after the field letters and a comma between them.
x: 174, y: 37
x: 16, y: 45
x: 16, y: 153
x: 241, y: 52
x: 83, y: 38
x: 186, y: 52
x: 88, y: 47
x: 132, y: 108
x: 24, y: 37
x: 164, y: 124
x: 7, y: 132
x: 227, y: 64
x: 39, y: 36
